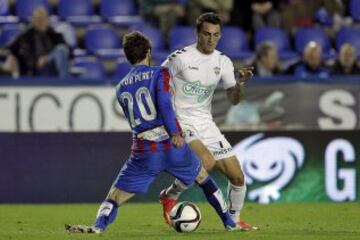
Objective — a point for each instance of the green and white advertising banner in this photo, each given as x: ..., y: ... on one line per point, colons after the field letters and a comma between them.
x: 279, y: 166
x: 296, y: 166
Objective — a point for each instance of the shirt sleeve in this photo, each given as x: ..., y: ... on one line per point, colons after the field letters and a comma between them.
x: 173, y: 63
x: 228, y: 75
x: 164, y: 103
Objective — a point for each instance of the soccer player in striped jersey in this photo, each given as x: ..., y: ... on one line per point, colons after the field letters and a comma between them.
x: 158, y: 142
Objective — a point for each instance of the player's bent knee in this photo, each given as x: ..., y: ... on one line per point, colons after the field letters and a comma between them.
x: 238, y: 180
x: 232, y: 169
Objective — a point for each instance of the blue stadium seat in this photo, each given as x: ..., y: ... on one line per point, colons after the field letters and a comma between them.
x: 120, y: 13
x: 88, y: 68
x: 155, y: 37
x: 323, y: 17
x: 122, y: 68
x: 68, y: 33
x: 234, y: 43
x: 25, y: 8
x: 279, y: 38
x: 349, y: 35
x: 181, y: 36
x: 304, y: 35
x: 159, y: 53
x: 9, y: 33
x: 111, y: 8
x: 77, y: 12
x: 4, y: 13
x: 103, y: 41
x: 4, y: 7
x: 354, y: 7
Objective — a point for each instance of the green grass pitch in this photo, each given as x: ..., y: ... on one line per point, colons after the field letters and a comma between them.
x: 144, y: 221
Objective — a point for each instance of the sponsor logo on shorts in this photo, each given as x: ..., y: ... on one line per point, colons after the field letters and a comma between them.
x: 198, y: 90
x: 222, y: 151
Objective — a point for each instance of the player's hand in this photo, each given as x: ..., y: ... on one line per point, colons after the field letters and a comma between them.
x: 177, y: 140
x: 245, y: 74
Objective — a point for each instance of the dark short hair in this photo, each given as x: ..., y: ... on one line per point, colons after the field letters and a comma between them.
x: 136, y: 45
x: 208, y: 17
x: 263, y: 49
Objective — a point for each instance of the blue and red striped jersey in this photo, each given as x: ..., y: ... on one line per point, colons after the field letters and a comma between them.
x: 146, y: 100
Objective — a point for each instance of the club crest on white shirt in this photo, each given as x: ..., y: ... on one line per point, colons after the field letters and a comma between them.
x: 216, y: 70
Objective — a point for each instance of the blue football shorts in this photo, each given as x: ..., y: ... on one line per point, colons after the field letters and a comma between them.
x: 141, y: 169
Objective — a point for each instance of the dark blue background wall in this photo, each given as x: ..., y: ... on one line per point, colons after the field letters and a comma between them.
x: 65, y: 167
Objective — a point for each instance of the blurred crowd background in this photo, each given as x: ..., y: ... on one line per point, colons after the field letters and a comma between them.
x: 82, y: 38
x: 286, y: 41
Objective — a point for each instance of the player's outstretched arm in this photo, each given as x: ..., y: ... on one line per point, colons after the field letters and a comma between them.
x: 165, y: 107
x: 236, y: 93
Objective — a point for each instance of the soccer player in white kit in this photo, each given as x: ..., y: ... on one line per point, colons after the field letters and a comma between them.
x: 197, y: 70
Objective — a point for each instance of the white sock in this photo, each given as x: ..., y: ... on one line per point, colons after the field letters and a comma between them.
x: 175, y: 189
x: 236, y: 197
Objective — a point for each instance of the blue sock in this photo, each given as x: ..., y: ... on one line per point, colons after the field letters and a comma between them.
x: 106, y: 214
x: 216, y: 199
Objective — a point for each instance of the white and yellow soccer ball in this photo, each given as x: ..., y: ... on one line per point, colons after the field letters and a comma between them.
x: 185, y: 217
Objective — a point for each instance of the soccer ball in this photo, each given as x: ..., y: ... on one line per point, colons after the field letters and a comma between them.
x: 185, y: 217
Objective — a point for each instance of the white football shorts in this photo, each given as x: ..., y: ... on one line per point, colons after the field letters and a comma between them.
x: 211, y: 137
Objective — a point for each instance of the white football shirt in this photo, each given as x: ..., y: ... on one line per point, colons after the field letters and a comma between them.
x: 195, y: 78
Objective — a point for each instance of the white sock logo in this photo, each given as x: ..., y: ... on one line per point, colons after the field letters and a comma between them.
x: 105, y: 209
x: 220, y: 197
x: 272, y: 160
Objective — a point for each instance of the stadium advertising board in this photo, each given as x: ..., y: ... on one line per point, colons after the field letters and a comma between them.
x: 292, y: 166
x: 300, y: 166
x: 60, y: 109
x: 296, y: 166
x: 298, y: 106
